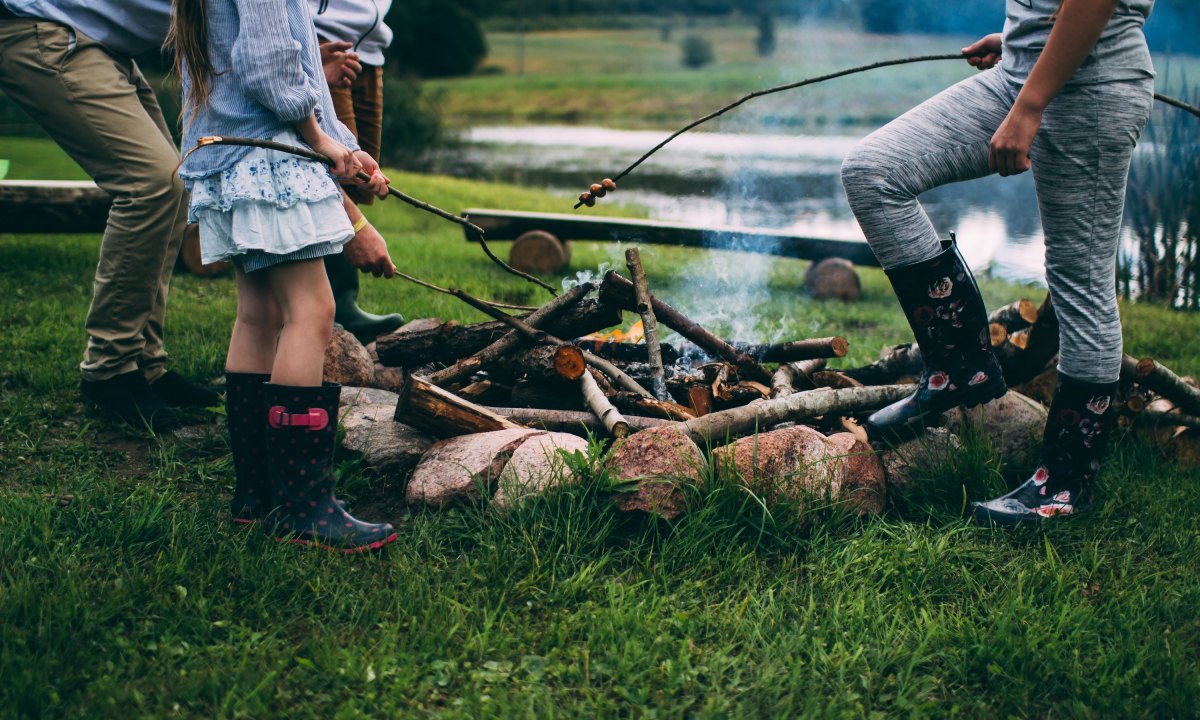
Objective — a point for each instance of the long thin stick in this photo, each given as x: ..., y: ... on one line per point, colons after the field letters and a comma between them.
x: 811, y: 81
x: 599, y: 404
x: 658, y: 385
x: 417, y: 203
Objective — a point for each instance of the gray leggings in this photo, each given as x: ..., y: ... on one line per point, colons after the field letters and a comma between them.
x: 1080, y: 162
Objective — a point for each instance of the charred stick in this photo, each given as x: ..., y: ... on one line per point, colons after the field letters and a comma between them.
x: 1160, y: 379
x: 633, y: 260
x: 620, y: 292
x: 598, y: 403
x: 466, y: 367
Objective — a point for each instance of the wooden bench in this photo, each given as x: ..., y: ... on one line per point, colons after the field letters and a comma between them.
x: 75, y: 206
x: 538, y: 234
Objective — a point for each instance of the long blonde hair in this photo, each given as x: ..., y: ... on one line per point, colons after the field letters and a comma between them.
x: 187, y: 38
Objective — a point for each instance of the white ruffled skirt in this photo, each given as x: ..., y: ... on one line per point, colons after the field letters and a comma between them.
x: 270, y: 207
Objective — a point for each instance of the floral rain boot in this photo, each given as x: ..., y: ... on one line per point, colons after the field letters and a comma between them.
x: 1077, y: 429
x: 942, y: 303
x: 301, y: 437
x: 245, y: 395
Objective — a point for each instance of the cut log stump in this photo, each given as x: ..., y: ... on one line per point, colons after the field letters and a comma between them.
x: 656, y: 463
x: 537, y: 466
x: 833, y: 279
x: 466, y: 468
x: 537, y: 251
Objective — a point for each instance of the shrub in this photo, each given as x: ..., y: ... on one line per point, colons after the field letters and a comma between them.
x: 697, y: 51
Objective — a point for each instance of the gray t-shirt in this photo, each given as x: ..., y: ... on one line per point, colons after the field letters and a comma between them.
x: 1120, y: 53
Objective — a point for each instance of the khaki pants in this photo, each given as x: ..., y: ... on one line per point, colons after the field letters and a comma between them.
x: 101, y: 111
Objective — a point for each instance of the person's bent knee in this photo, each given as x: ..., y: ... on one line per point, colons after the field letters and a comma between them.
x: 862, y: 173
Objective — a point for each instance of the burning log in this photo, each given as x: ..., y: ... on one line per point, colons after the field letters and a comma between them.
x: 645, y: 309
x: 571, y: 421
x: 1160, y: 379
x: 717, y: 426
x: 598, y: 402
x: 794, y: 376
x: 468, y: 366
x: 1015, y: 316
x: 626, y: 352
x: 548, y: 362
x: 451, y: 341
x: 427, y: 407
x: 620, y: 292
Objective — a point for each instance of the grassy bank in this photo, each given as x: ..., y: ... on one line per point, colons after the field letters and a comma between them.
x: 132, y: 600
x: 634, y: 78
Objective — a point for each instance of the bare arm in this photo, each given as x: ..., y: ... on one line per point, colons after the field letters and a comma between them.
x: 1075, y: 33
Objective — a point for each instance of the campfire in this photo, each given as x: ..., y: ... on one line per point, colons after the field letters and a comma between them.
x: 562, y: 369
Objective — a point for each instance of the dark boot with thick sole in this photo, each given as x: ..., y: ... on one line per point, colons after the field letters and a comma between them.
x: 1077, y: 429
x: 942, y: 304
x: 245, y: 408
x: 129, y: 399
x: 343, y: 280
x: 301, y: 438
x: 178, y: 391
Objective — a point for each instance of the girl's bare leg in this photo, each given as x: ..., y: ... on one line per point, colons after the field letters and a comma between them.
x: 256, y: 329
x: 302, y: 292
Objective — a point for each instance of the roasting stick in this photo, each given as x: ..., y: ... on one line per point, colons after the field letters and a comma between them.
x: 658, y: 383
x: 610, y: 184
x: 211, y: 140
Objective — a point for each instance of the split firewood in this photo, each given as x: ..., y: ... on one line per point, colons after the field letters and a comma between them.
x: 999, y: 334
x: 1160, y: 379
x: 451, y: 341
x: 620, y: 292
x: 645, y: 309
x: 794, y: 376
x: 572, y: 421
x: 614, y: 423
x: 894, y: 362
x: 700, y: 399
x: 425, y: 406
x: 1015, y: 316
x: 468, y: 366
x: 735, y: 422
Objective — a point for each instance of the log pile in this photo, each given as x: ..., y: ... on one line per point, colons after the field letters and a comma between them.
x: 497, y: 403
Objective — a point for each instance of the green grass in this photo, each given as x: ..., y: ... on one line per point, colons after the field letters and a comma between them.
x: 133, y: 600
x: 633, y: 79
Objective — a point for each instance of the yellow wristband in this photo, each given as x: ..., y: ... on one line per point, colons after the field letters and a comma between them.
x: 360, y: 223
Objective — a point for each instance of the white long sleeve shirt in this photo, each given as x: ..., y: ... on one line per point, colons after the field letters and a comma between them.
x: 355, y: 21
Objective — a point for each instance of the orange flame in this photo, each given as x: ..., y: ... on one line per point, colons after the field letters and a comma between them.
x: 635, y: 334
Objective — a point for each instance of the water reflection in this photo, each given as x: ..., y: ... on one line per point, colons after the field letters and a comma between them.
x: 783, y: 182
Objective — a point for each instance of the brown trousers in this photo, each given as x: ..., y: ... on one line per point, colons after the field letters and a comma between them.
x: 101, y: 111
x: 360, y: 108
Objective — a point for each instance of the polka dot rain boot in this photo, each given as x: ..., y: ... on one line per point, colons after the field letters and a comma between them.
x: 245, y: 397
x: 301, y: 437
x: 943, y: 306
x: 1077, y: 429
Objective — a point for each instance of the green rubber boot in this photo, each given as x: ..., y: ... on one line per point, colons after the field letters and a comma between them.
x: 343, y: 280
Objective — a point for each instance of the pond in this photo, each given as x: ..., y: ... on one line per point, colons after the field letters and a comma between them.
x: 780, y: 182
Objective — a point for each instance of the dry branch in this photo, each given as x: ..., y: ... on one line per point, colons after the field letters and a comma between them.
x: 599, y: 404
x: 645, y: 308
x: 571, y: 421
x: 794, y: 376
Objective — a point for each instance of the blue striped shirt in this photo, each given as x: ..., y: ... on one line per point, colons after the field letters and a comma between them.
x: 268, y: 77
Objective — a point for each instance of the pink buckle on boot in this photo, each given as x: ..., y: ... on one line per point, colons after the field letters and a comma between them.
x: 315, y: 419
